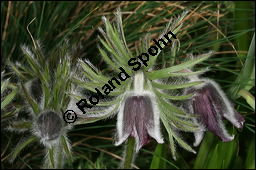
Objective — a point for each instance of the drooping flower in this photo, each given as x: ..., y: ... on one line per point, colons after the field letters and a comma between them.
x: 138, y: 115
x: 211, y: 106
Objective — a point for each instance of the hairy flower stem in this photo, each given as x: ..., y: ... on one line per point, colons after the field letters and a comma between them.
x: 59, y: 157
x: 129, y: 153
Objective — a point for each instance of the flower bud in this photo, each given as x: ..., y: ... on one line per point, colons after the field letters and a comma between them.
x: 48, y: 126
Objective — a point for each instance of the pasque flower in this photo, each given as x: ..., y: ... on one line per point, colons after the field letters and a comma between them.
x: 48, y: 126
x: 138, y: 115
x: 141, y: 99
x: 211, y: 106
x: 44, y: 86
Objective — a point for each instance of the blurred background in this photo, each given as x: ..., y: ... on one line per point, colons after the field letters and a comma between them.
x: 227, y: 27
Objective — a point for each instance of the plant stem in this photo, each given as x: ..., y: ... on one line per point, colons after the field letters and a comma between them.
x: 59, y: 156
x: 129, y: 153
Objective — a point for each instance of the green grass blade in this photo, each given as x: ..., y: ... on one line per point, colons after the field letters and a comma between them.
x: 167, y: 161
x: 157, y: 160
x: 246, y: 77
x: 248, y: 97
x: 250, y: 159
x: 214, y: 159
x: 205, y: 147
x: 226, y: 152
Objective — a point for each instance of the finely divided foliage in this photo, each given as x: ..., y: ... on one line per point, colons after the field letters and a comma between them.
x: 45, y: 86
x: 144, y: 90
x: 144, y: 101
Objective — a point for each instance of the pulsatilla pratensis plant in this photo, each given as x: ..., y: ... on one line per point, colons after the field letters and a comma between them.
x: 145, y: 97
x: 44, y: 83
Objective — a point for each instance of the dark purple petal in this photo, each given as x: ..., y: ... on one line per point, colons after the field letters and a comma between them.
x: 216, y: 98
x: 138, y: 117
x: 144, y: 119
x: 207, y: 115
x: 223, y: 106
x: 130, y: 111
x: 240, y: 119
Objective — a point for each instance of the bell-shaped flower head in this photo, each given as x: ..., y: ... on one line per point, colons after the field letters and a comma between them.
x: 211, y: 105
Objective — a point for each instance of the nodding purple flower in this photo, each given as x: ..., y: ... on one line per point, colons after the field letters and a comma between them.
x: 138, y: 121
x: 138, y: 116
x: 211, y: 105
